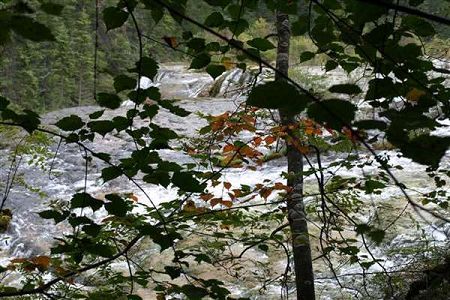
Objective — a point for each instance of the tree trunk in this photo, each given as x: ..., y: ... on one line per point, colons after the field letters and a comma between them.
x: 304, y: 276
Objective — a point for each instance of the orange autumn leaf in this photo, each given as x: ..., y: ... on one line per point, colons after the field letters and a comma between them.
x: 249, y: 152
x: 257, y: 141
x: 303, y: 149
x: 414, y: 95
x: 215, y: 201
x: 269, y: 139
x: 279, y: 186
x: 265, y: 193
x: 227, y: 203
x: 228, y: 148
x: 41, y: 261
x: 350, y: 134
x: 171, y: 41
x: 133, y: 197
x: 249, y: 119
x: 310, y: 130
x: 227, y: 185
x: 237, y: 192
x: 206, y: 197
x: 61, y: 271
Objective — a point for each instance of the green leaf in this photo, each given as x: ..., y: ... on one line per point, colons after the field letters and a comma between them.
x: 333, y: 113
x: 29, y: 121
x: 52, y: 8
x: 418, y: 25
x: 426, y: 149
x: 101, y: 127
x: 158, y: 177
x: 277, y: 94
x: 30, y: 29
x: 415, y: 2
x: 200, y: 61
x: 162, y: 133
x: 331, y: 65
x: 111, y: 173
x: 102, y: 156
x: 187, y: 182
x: 96, y: 114
x: 349, y: 89
x: 377, y: 235
x: 157, y: 14
x: 53, y: 214
x: 99, y: 250
x: 215, y: 70
x: 111, y: 101
x: 370, y: 124
x: 70, y: 123
x: 173, y: 272
x: 238, y: 26
x: 121, y: 123
x: 149, y: 111
x: 124, y: 82
x: 372, y: 185
x: 75, y: 221
x: 261, y: 44
x: 176, y: 110
x: 214, y: 20
x: 197, y: 44
x: 117, y: 206
x: 114, y: 17
x: 263, y: 247
x: 3, y: 103
x: 193, y: 292
x: 362, y: 228
x: 300, y: 27
x: 82, y: 200
x: 92, y: 229
x: 306, y: 55
x: 169, y: 166
x: 147, y: 67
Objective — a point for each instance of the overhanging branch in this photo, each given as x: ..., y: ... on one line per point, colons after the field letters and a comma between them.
x: 409, y: 10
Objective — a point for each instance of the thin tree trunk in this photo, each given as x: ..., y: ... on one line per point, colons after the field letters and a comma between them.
x: 80, y: 86
x: 304, y: 276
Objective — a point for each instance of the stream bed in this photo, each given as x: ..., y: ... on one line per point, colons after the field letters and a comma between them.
x: 61, y: 175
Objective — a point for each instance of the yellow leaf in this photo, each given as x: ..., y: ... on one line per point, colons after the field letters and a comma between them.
x: 414, y: 95
x: 41, y: 261
x: 228, y: 63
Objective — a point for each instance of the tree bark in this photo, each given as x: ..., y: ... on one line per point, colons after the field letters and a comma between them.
x: 304, y: 276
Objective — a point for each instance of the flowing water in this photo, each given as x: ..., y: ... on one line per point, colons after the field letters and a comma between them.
x: 63, y: 174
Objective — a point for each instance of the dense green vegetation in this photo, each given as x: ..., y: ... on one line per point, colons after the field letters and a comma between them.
x: 51, y: 75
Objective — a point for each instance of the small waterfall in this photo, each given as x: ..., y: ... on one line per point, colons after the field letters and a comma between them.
x: 236, y: 82
x: 175, y: 82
